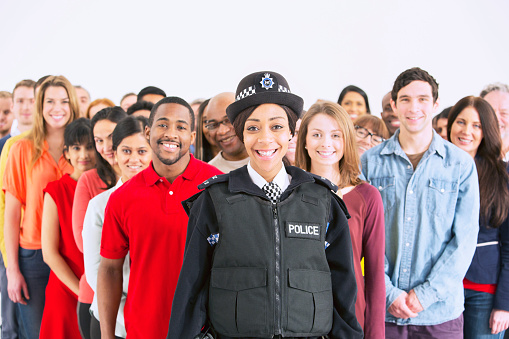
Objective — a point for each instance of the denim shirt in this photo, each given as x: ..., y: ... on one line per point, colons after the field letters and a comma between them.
x: 431, y: 224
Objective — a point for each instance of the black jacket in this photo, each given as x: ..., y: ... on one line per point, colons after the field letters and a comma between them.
x: 191, y: 301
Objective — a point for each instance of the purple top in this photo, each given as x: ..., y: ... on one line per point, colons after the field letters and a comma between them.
x: 367, y: 230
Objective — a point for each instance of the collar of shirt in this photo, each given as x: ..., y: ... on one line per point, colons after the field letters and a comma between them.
x: 151, y: 176
x: 392, y: 146
x: 282, y: 179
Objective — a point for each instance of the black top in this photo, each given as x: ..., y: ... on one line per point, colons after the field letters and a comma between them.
x: 189, y: 310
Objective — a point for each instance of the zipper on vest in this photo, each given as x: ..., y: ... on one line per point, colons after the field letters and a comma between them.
x: 277, y: 307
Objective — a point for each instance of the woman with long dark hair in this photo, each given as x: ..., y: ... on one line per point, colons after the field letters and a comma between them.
x: 91, y: 183
x: 133, y: 154
x: 355, y: 101
x: 59, y: 249
x: 472, y: 126
x: 206, y: 149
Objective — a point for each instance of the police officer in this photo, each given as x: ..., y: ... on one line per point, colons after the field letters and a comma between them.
x: 268, y: 250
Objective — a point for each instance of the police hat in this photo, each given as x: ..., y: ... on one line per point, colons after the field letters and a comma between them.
x: 263, y: 88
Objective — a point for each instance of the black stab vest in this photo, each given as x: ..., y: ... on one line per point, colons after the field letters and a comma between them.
x: 269, y: 274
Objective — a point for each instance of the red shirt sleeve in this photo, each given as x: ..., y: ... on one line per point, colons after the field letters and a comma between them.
x: 115, y: 238
x: 373, y: 239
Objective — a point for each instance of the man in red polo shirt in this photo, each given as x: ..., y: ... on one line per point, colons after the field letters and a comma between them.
x: 145, y: 218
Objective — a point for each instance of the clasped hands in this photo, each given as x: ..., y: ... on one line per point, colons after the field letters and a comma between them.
x: 407, y: 305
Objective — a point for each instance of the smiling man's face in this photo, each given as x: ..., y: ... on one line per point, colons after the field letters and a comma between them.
x: 223, y: 134
x: 170, y: 135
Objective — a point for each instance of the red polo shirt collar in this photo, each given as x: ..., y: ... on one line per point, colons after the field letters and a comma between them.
x: 151, y: 176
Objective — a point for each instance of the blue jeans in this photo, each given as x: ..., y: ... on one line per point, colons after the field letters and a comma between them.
x: 478, y: 307
x: 11, y: 321
x: 36, y: 274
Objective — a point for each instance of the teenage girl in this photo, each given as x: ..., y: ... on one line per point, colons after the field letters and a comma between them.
x: 58, y: 246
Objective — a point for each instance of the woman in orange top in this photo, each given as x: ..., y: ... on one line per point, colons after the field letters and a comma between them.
x: 34, y: 162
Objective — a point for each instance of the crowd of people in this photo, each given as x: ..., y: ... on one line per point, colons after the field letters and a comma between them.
x: 245, y: 216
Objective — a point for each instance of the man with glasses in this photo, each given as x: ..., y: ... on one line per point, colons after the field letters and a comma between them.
x: 233, y: 154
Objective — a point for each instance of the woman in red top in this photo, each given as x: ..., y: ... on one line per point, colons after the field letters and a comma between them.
x: 326, y: 146
x: 34, y: 162
x: 58, y: 246
x: 90, y: 184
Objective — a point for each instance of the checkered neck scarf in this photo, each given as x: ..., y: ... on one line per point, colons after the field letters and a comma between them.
x: 272, y: 191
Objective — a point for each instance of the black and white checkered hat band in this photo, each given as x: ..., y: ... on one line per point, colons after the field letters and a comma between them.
x: 281, y: 88
x: 252, y: 90
x: 245, y: 93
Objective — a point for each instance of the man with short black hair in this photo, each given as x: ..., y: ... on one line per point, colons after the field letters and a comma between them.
x: 233, y: 153
x: 388, y: 116
x: 145, y: 217
x: 142, y: 108
x: 152, y: 94
x: 430, y: 192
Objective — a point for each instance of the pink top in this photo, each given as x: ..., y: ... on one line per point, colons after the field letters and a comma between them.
x: 367, y: 230
x: 89, y: 185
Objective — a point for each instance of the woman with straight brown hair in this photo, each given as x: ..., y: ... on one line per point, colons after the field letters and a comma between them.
x: 327, y: 147
x: 472, y: 126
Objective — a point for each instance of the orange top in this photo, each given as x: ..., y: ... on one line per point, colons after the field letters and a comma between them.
x: 28, y: 189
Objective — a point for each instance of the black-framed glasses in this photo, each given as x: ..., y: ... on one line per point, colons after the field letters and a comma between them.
x: 213, y: 124
x: 364, y: 133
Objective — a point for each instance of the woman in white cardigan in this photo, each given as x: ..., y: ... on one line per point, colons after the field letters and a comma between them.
x: 133, y: 154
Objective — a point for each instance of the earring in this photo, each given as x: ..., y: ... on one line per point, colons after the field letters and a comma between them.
x: 305, y: 147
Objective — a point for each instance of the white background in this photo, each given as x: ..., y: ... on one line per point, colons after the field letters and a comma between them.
x: 200, y: 48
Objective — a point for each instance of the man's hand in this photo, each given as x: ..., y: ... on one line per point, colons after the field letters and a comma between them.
x: 413, y: 302
x: 16, y: 283
x: 499, y: 321
x: 399, y: 308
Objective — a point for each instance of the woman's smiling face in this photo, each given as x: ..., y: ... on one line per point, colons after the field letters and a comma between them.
x: 266, y: 137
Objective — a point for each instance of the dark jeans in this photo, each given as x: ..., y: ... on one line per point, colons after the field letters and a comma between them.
x: 452, y: 329
x: 11, y: 321
x: 36, y: 274
x: 95, y: 328
x: 478, y: 307
x: 84, y: 318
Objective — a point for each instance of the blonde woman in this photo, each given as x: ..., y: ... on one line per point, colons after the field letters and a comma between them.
x: 34, y: 162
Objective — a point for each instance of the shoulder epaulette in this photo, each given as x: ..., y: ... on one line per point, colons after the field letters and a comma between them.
x: 325, y: 182
x: 214, y: 180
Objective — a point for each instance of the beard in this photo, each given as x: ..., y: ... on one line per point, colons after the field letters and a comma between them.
x: 169, y: 161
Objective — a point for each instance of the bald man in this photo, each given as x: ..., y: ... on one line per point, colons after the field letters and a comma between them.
x: 233, y: 153
x: 388, y: 116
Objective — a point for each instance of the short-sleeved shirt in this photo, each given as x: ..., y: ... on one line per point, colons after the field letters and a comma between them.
x: 145, y: 217
x: 89, y: 185
x: 27, y: 186
x: 3, y: 162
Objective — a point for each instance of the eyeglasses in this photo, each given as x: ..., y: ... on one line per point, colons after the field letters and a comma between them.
x: 364, y: 133
x: 213, y: 124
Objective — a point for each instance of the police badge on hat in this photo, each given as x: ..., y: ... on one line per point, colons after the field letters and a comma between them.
x: 267, y: 81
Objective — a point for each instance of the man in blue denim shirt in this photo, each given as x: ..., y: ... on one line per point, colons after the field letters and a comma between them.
x: 431, y: 201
